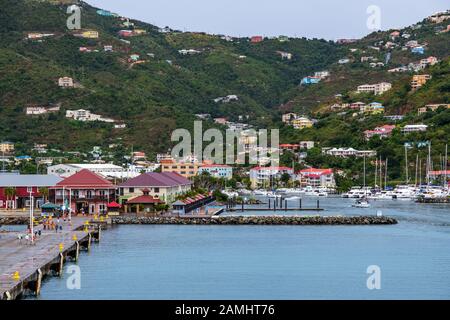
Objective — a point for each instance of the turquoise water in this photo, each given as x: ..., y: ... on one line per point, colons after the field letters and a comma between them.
x: 271, y: 262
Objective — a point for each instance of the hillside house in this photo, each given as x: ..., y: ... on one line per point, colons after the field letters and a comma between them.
x: 382, y: 132
x: 377, y: 89
x: 301, y: 123
x: 288, y: 117
x: 432, y: 107
x: 419, y: 80
x: 256, y: 39
x: 65, y: 82
x: 6, y: 147
x: 86, y: 115
x: 414, y: 128
x: 310, y: 80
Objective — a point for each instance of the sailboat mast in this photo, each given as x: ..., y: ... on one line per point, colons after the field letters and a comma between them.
x: 406, y: 163
x: 376, y: 172
x: 417, y: 164
x: 386, y: 174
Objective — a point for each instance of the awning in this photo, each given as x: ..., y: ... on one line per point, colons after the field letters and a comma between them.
x: 50, y: 206
x: 114, y: 205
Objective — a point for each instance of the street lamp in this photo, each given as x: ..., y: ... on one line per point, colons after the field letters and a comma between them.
x: 31, y: 216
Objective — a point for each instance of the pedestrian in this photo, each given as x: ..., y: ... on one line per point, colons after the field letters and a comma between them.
x: 39, y: 233
x: 56, y: 228
x: 19, y: 236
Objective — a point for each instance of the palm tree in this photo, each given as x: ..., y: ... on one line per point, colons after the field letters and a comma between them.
x: 44, y: 192
x: 10, y: 193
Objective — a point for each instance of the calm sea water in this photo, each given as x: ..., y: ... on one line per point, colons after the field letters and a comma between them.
x: 271, y: 262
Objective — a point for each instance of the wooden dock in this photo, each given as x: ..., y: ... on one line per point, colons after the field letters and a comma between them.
x: 278, y: 204
x: 23, y: 266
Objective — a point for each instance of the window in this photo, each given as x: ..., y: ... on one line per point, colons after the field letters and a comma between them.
x: 29, y: 189
x: 89, y: 194
x: 156, y: 190
x: 130, y: 190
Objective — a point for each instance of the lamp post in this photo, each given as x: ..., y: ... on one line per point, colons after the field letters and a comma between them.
x: 31, y: 216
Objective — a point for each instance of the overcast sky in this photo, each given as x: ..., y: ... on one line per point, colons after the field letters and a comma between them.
x: 329, y: 19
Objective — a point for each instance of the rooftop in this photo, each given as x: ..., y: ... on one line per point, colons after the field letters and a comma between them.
x: 28, y: 180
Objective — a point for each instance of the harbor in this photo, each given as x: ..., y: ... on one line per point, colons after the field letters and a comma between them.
x: 172, y: 261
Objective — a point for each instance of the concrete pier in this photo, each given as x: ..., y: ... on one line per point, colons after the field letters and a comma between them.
x: 23, y: 266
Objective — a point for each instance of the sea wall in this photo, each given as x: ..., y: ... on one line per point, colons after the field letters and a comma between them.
x: 14, y: 220
x: 257, y: 220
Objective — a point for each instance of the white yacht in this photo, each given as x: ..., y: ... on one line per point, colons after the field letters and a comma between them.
x: 405, y: 192
x: 357, y: 192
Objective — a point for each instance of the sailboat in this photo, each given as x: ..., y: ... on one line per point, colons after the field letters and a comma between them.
x: 363, y: 202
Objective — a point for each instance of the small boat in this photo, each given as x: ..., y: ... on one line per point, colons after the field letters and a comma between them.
x: 361, y: 203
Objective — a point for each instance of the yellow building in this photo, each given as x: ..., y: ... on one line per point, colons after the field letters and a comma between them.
x: 6, y: 147
x: 419, y: 80
x: 139, y: 31
x: 302, y: 123
x: 90, y: 34
x: 185, y: 169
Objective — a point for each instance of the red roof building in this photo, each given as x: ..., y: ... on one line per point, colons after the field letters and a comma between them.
x: 84, y: 192
x: 383, y: 132
x: 165, y: 186
x: 256, y: 39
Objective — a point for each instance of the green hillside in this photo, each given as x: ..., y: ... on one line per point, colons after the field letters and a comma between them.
x: 152, y: 98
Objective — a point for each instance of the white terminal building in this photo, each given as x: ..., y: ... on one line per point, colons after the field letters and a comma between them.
x: 107, y: 170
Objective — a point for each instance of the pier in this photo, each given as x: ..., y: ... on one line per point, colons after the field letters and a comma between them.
x: 277, y: 204
x: 23, y: 265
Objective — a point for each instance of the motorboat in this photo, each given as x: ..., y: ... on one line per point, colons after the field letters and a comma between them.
x: 361, y: 203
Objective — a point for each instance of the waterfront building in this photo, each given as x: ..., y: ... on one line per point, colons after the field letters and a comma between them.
x: 16, y: 189
x: 217, y: 170
x: 165, y: 186
x: 264, y: 176
x: 316, y: 178
x: 84, y: 191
